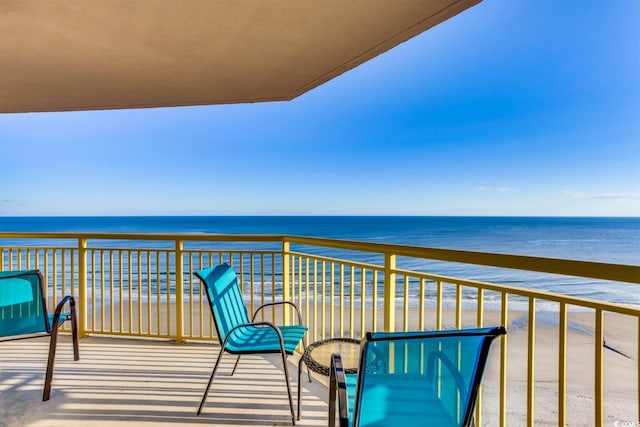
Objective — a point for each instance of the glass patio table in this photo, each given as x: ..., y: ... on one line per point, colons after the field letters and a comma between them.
x: 318, y: 355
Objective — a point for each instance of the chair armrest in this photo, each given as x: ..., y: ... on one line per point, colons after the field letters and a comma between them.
x: 278, y: 303
x: 56, y: 315
x: 338, y: 385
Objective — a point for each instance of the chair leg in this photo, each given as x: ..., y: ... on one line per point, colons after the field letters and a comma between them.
x: 213, y: 373
x: 74, y: 330
x: 235, y: 365
x: 52, y: 357
x: 286, y: 377
x: 299, y: 387
x: 304, y: 350
x: 332, y: 399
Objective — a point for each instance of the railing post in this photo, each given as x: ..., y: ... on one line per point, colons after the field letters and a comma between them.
x: 286, y: 283
x: 82, y: 288
x: 389, y: 292
x: 179, y: 291
x: 599, y: 369
x: 531, y: 363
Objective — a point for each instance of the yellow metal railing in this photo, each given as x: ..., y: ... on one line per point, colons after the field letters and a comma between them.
x: 143, y: 285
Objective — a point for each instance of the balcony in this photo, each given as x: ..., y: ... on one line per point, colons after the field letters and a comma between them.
x: 565, y: 361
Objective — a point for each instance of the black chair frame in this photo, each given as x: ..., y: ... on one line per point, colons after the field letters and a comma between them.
x: 266, y: 324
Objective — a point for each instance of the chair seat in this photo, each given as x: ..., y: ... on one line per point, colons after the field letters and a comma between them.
x: 263, y: 339
x: 32, y: 325
x: 398, y: 400
x: 63, y: 318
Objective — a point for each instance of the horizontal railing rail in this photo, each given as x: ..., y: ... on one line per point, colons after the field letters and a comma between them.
x: 595, y: 270
x: 560, y: 348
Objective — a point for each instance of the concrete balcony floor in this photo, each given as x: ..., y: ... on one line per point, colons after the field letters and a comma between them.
x: 134, y: 382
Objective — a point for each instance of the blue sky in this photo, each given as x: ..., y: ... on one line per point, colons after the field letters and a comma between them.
x: 515, y: 107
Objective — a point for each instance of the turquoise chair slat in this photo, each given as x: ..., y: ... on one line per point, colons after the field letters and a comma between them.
x: 253, y: 339
x: 225, y: 299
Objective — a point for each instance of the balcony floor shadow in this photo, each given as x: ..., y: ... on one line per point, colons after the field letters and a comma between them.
x: 135, y: 382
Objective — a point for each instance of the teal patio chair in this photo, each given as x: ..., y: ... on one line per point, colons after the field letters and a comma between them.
x: 23, y: 314
x: 237, y: 334
x: 412, y: 379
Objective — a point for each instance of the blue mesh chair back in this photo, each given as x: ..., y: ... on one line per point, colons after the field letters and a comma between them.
x: 23, y: 309
x: 418, y: 378
x: 225, y: 299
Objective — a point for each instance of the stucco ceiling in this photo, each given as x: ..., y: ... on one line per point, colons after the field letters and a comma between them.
x: 67, y: 55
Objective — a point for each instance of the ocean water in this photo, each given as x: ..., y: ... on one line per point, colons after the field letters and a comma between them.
x: 610, y: 240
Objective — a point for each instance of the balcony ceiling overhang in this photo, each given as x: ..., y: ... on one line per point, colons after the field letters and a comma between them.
x: 68, y: 55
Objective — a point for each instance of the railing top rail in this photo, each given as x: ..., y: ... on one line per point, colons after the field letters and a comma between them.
x: 591, y: 269
x: 145, y: 236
